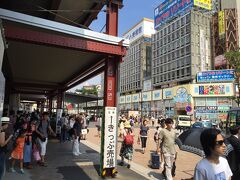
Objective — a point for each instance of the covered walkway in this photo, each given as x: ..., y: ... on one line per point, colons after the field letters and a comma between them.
x: 62, y: 165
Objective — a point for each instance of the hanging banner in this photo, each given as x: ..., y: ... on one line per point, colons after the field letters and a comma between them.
x: 2, y: 92
x: 1, y: 48
x: 58, y: 121
x: 110, y: 141
x: 221, y: 24
x: 202, y: 50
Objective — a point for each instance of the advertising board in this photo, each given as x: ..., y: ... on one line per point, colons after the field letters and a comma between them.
x: 170, y: 9
x: 143, y: 28
x: 221, y: 89
x: 205, y: 4
x: 216, y: 76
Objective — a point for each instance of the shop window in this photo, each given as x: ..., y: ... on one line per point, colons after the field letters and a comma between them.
x: 211, y: 102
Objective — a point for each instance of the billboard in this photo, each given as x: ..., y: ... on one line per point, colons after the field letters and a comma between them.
x: 216, y: 76
x: 170, y: 9
x: 213, y: 89
x: 221, y: 24
x: 205, y: 4
x: 144, y: 28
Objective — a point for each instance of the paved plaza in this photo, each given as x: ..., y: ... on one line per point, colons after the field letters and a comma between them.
x: 185, y: 162
x: 62, y: 165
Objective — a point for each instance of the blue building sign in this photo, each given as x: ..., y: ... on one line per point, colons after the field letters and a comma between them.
x: 170, y: 9
x: 216, y: 76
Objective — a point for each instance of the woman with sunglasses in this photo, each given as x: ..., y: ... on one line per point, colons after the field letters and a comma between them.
x: 213, y: 166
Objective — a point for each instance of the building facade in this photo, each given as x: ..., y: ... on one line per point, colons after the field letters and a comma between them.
x: 135, y: 70
x: 181, y: 48
x: 136, y: 65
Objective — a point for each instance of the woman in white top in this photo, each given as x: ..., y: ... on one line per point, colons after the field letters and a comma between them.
x: 213, y: 167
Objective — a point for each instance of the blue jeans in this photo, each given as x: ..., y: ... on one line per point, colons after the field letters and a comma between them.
x: 2, y: 165
x: 63, y: 136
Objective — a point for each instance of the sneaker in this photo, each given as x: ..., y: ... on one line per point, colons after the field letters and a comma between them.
x: 22, y: 171
x: 12, y: 170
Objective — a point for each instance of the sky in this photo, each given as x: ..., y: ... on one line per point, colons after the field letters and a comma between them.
x: 132, y: 12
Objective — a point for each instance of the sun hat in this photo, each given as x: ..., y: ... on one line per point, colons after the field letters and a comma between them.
x: 5, y: 119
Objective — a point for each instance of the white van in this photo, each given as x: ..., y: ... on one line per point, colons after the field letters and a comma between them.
x: 183, y: 122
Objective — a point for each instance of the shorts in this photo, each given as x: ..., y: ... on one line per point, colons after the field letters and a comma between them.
x: 43, y: 146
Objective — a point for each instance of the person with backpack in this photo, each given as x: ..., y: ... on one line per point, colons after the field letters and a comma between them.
x: 43, y: 130
x: 126, y: 150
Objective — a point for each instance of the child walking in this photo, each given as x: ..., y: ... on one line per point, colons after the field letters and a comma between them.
x: 126, y: 150
x: 17, y: 153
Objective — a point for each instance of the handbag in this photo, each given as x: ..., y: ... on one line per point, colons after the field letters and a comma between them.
x: 36, y: 154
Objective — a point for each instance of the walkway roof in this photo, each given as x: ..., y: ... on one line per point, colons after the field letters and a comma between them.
x: 43, y: 56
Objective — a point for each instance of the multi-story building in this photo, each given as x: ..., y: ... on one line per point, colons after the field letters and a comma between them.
x: 180, y: 49
x: 135, y: 70
x: 136, y: 65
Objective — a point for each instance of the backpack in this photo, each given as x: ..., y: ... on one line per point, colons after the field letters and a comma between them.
x: 129, y: 139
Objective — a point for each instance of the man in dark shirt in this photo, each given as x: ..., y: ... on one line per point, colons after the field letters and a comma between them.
x: 77, y: 135
x: 234, y: 156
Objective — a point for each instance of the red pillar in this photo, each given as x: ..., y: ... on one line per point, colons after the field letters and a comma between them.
x: 110, y: 80
x: 111, y: 62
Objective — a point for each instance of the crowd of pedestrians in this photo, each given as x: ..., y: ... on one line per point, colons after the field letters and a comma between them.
x: 24, y: 138
x: 214, y: 166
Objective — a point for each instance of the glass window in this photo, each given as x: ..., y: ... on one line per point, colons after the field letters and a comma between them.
x: 211, y: 102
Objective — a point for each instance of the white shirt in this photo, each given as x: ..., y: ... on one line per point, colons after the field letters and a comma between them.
x: 209, y: 171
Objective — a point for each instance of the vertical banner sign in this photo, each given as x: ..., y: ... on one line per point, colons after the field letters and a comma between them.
x: 221, y: 24
x: 58, y: 121
x: 109, y: 160
x: 202, y: 50
x: 2, y: 90
x: 1, y: 49
x: 2, y: 78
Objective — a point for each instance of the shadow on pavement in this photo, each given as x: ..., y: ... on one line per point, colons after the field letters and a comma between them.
x: 156, y: 175
x: 138, y: 150
x: 73, y: 173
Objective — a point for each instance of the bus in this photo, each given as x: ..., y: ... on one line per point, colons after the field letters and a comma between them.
x: 233, y: 117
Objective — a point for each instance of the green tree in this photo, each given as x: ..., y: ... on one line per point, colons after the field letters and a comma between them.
x: 85, y: 91
x: 233, y: 58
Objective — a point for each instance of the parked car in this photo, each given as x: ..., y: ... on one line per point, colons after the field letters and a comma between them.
x: 202, y: 124
x: 183, y: 122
